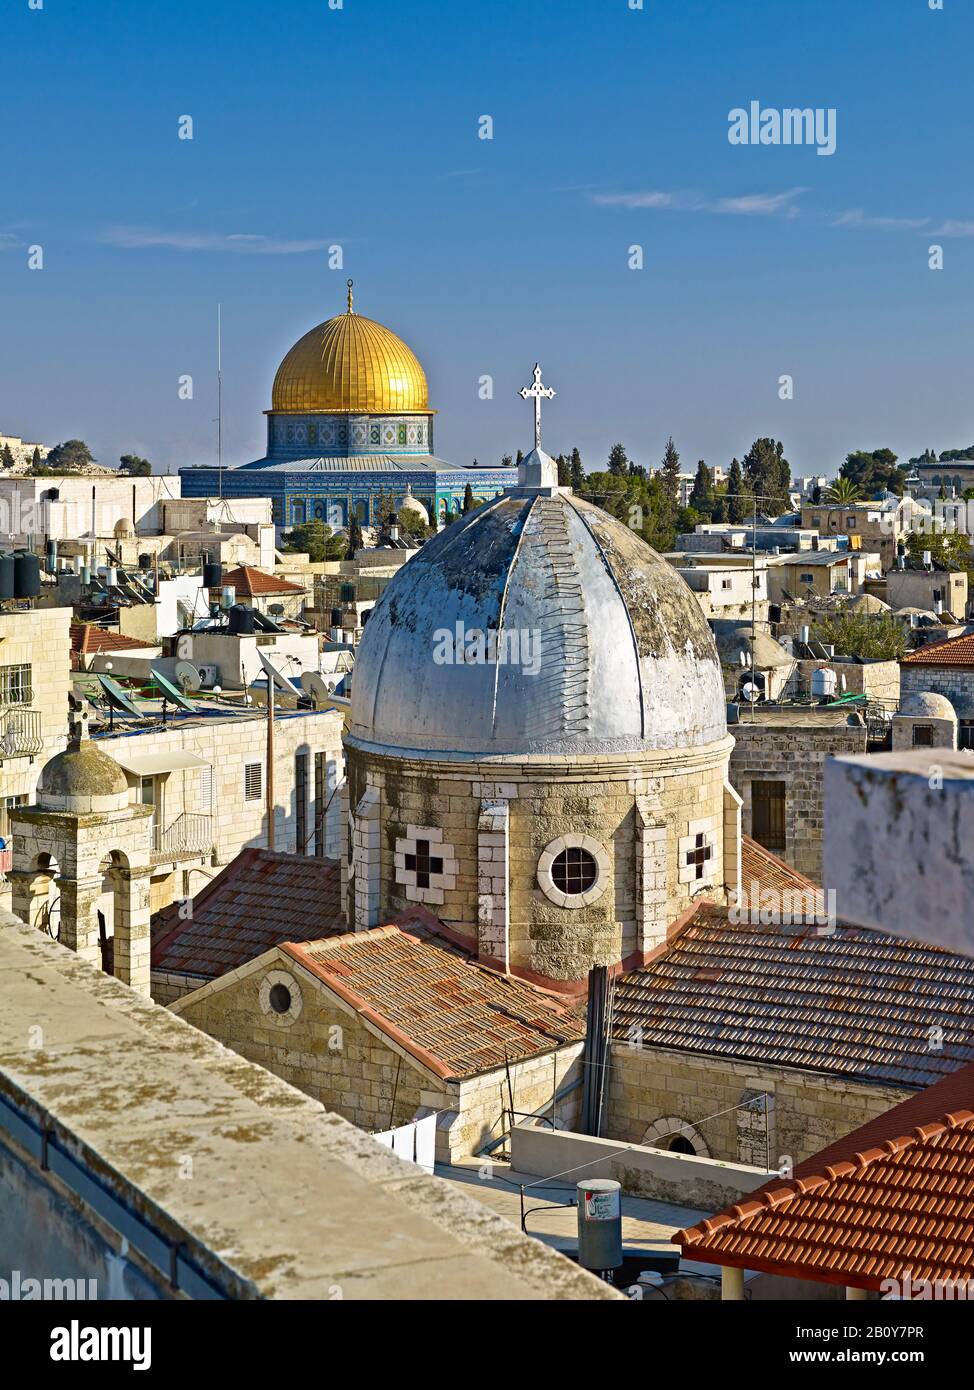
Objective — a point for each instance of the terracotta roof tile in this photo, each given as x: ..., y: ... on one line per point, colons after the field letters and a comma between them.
x: 87, y: 639
x: 955, y: 651
x: 460, y: 1018
x: 854, y: 1003
x: 254, y: 583
x: 760, y: 866
x: 891, y: 1199
x: 258, y: 901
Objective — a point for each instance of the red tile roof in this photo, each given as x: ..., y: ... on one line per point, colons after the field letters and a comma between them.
x: 455, y: 1016
x: 956, y: 651
x: 254, y: 583
x: 760, y: 866
x: 849, y: 1002
x: 257, y: 901
x: 891, y: 1199
x: 89, y: 640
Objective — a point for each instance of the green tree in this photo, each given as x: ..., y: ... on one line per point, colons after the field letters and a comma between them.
x: 308, y: 539
x: 737, y: 503
x: 507, y: 461
x: 136, y: 466
x: 877, y: 635
x: 843, y: 490
x: 520, y: 458
x: 468, y: 502
x: 564, y: 471
x: 354, y: 538
x: 874, y: 472
x: 949, y: 550
x: 72, y: 454
x: 618, y: 461
x: 6, y: 457
x: 413, y: 524
x: 768, y: 474
x: 702, y: 498
x: 576, y: 472
x: 669, y: 472
x: 35, y: 458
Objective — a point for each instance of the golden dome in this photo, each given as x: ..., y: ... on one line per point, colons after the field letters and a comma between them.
x: 350, y: 364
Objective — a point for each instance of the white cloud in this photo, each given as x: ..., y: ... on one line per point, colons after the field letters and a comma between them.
x: 746, y: 205
x: 759, y: 204
x: 243, y: 243
x: 954, y: 228
x: 636, y: 200
x: 856, y: 217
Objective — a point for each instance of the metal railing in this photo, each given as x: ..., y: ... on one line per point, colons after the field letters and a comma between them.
x: 20, y: 732
x: 189, y: 833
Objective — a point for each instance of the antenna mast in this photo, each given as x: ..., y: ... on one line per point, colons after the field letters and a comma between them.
x: 219, y: 395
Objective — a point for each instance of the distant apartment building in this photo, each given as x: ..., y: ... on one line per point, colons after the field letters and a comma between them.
x: 35, y: 678
x: 726, y: 586
x: 869, y: 526
x: 819, y: 573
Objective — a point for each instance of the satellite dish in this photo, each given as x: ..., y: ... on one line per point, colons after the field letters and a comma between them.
x: 313, y: 685
x: 750, y: 691
x: 188, y: 675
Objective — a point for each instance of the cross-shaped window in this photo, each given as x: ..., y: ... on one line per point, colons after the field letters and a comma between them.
x: 699, y: 855
x: 423, y: 864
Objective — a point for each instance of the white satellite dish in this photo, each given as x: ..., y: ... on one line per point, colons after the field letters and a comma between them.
x: 313, y: 685
x: 750, y: 691
x: 188, y: 675
x: 279, y: 679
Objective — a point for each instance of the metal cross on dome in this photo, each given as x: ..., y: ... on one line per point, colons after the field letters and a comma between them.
x: 537, y: 393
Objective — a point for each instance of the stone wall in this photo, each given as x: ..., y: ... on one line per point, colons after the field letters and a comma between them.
x: 793, y: 753
x: 227, y: 746
x: 328, y: 1052
x: 215, y: 1173
x: 548, y: 801
x: 806, y: 1112
x: 954, y: 682
x: 878, y: 680
x: 40, y: 639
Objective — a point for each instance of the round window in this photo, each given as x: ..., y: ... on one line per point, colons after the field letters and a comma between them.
x: 574, y: 870
x: 279, y: 998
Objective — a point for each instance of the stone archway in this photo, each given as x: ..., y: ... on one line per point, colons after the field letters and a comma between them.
x: 676, y: 1136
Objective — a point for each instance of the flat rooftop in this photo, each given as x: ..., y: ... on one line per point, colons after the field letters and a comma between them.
x: 287, y: 1200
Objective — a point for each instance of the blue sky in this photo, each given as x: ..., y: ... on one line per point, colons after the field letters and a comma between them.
x: 360, y: 126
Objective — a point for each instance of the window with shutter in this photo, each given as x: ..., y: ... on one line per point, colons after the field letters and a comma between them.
x: 252, y: 782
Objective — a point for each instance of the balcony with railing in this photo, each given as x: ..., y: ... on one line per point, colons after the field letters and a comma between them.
x: 20, y: 732
x: 187, y: 837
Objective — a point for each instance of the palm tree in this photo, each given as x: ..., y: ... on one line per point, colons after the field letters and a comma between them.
x: 843, y: 490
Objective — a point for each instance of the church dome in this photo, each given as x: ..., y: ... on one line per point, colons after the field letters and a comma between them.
x: 350, y: 364
x: 82, y: 778
x: 599, y: 645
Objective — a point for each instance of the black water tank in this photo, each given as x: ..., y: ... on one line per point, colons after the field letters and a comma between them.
x: 6, y: 575
x: 336, y: 617
x: 241, y: 620
x: 27, y: 574
x: 212, y: 575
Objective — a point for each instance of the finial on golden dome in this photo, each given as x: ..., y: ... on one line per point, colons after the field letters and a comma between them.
x: 350, y: 283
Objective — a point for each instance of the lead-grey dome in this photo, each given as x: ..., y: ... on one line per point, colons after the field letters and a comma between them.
x: 625, y: 659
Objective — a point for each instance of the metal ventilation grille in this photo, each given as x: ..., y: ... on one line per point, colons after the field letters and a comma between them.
x: 252, y: 782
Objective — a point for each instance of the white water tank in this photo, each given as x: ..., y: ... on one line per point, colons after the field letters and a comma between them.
x: 824, y: 681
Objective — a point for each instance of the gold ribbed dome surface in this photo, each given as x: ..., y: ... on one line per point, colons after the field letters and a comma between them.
x: 350, y: 363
